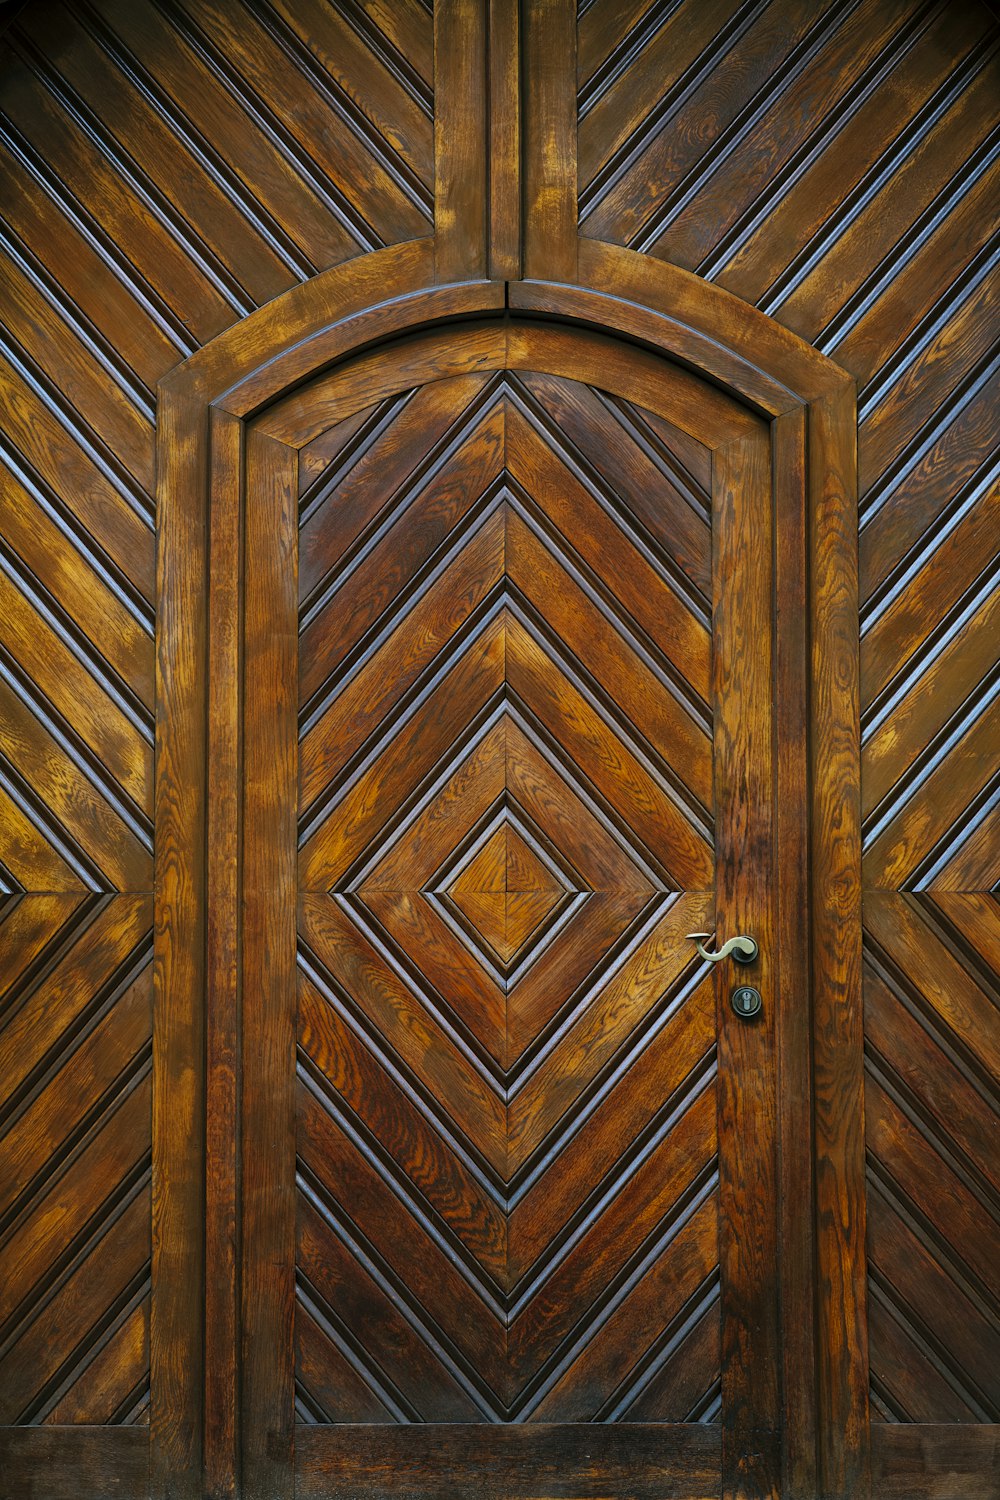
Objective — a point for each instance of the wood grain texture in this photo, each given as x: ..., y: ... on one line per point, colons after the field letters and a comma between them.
x: 176, y: 1328
x: 267, y: 971
x: 222, y: 1022
x: 744, y: 780
x: 73, y: 1463
x: 550, y: 218
x: 641, y: 1465
x: 168, y: 168
x: 931, y: 1131
x: 461, y: 123
x: 504, y: 146
x: 946, y: 1461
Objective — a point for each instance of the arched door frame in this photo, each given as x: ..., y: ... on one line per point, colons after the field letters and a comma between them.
x: 203, y: 411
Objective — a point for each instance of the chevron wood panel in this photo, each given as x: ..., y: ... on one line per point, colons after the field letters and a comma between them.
x: 507, y: 1179
x: 75, y: 1059
x: 836, y: 165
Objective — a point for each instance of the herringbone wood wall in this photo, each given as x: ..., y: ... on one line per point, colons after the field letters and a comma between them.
x: 169, y: 165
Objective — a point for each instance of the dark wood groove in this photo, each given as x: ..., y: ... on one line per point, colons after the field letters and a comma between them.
x: 905, y: 989
x: 934, y: 1241
x: 87, y: 1019
x: 274, y: 233
x: 146, y: 191
x: 862, y: 193
x: 92, y: 233
x: 615, y: 167
x: 129, y: 1298
x: 930, y: 1347
x: 861, y: 89
x: 379, y: 148
x: 343, y: 211
x: 923, y: 226
x: 94, y: 340
x: 805, y: 53
x: 957, y: 943
x: 134, y: 1185
x: 97, y: 451
x: 964, y: 391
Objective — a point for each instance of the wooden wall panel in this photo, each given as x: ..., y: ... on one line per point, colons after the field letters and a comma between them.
x: 75, y: 1060
x: 836, y: 165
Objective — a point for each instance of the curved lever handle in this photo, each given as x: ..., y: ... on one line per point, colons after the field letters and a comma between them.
x: 743, y: 949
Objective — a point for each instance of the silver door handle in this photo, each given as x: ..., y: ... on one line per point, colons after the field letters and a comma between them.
x: 743, y: 949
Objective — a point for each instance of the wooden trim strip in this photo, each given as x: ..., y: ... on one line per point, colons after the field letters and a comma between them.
x: 795, y: 1184
x: 460, y: 139
x: 779, y: 358
x: 269, y: 921
x: 504, y: 155
x: 574, y: 1462
x: 222, y: 1019
x: 745, y: 741
x: 356, y: 330
x: 550, y: 133
x: 291, y: 321
x: 180, y: 911
x: 659, y: 330
x: 623, y: 369
x: 838, y: 1095
x: 74, y: 1463
x: 924, y: 1461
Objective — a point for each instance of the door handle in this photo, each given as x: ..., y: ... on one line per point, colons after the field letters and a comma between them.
x: 743, y: 949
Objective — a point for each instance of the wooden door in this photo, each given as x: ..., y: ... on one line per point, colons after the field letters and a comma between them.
x: 208, y: 208
x: 535, y: 1202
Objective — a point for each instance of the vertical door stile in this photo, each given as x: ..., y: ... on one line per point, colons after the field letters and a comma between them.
x: 746, y: 876
x: 269, y: 908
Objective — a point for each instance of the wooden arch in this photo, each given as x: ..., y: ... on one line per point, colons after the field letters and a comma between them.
x: 205, y: 410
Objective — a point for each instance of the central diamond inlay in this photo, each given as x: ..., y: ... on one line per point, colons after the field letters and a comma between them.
x: 507, y: 894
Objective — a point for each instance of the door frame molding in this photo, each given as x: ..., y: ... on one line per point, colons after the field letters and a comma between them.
x: 204, y: 407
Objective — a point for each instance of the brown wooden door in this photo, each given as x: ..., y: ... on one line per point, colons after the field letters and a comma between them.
x: 779, y: 213
x: 534, y: 1176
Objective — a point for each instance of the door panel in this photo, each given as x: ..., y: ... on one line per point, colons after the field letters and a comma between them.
x: 506, y: 1113
x: 504, y: 786
x: 522, y: 734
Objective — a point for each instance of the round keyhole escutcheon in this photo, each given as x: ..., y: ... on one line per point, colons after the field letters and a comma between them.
x: 746, y: 1002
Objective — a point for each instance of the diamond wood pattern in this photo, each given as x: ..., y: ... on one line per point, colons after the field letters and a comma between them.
x: 837, y: 166
x: 507, y: 1173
